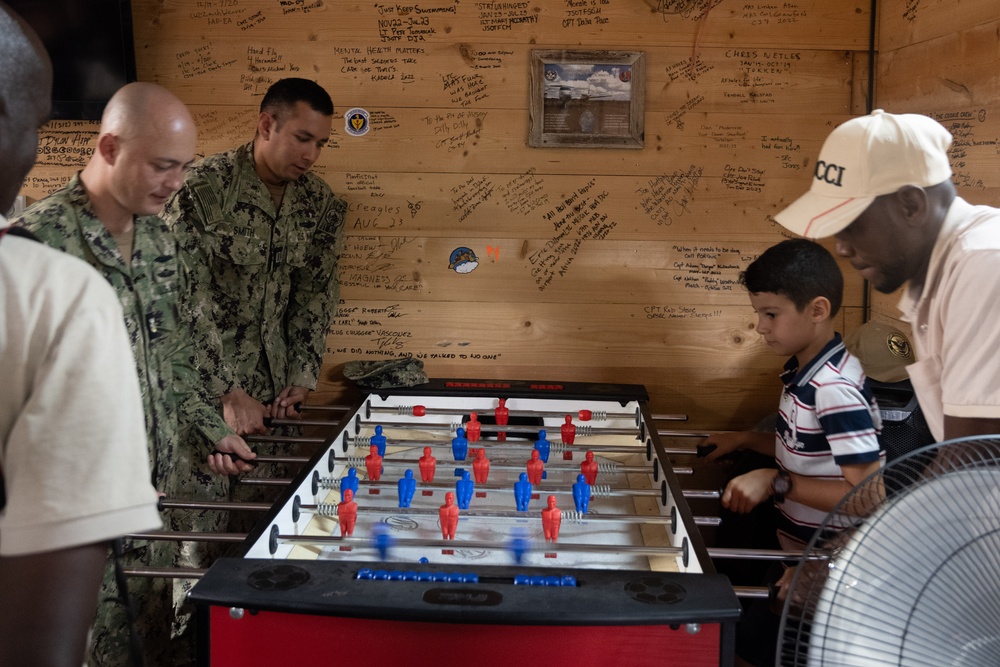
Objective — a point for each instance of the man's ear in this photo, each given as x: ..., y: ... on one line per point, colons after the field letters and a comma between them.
x: 911, y: 202
x: 819, y: 309
x: 266, y: 124
x: 109, y: 147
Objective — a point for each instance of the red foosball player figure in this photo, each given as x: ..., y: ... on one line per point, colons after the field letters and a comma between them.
x: 502, y: 416
x: 481, y: 466
x: 568, y: 431
x: 428, y: 464
x: 347, y: 513
x: 473, y: 428
x: 535, y: 467
x: 551, y: 520
x: 449, y: 516
x: 373, y: 463
x: 589, y: 468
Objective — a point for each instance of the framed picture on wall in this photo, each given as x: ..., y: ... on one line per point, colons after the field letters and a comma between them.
x: 587, y: 99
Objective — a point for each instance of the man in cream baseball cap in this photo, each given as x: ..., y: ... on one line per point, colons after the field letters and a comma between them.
x: 863, y: 158
x: 882, y: 187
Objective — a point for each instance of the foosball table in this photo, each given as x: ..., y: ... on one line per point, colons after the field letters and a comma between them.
x: 497, y: 522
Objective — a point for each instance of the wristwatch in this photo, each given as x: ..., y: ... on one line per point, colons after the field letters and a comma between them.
x: 781, y: 485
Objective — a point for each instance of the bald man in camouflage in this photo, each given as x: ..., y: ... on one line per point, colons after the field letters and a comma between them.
x: 107, y: 216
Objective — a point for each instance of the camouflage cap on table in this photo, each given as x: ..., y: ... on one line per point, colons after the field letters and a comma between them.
x: 404, y: 372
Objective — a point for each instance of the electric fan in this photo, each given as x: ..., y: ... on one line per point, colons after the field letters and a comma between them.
x: 916, y: 581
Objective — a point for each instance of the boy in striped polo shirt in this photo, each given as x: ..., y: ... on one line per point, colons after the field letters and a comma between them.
x: 826, y: 436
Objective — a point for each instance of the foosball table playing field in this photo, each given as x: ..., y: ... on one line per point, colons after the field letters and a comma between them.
x: 497, y: 522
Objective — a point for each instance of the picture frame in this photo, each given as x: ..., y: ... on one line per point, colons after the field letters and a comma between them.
x: 587, y: 99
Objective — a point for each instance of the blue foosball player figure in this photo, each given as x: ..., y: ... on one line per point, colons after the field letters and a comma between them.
x: 349, y: 482
x: 407, y: 487
x: 519, y: 544
x: 382, y: 540
x: 543, y: 446
x: 464, y: 488
x: 378, y: 440
x: 581, y: 494
x: 460, y: 445
x: 522, y: 492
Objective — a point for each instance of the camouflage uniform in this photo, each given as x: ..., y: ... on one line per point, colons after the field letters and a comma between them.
x: 267, y: 277
x: 264, y: 283
x: 181, y: 424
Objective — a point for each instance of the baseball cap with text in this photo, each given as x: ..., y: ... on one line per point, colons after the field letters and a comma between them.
x: 863, y: 158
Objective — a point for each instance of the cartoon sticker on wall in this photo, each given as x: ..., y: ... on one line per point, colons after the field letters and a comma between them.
x: 463, y: 260
x: 356, y: 122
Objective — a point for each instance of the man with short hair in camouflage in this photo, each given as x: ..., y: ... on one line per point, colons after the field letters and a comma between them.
x: 262, y: 234
x: 107, y: 215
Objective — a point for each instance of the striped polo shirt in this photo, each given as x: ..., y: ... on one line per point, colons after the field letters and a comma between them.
x: 827, y: 418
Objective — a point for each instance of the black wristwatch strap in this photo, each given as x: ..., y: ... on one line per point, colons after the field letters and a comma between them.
x: 781, y: 485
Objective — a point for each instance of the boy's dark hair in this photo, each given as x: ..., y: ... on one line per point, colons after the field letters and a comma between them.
x: 798, y: 269
x: 285, y: 93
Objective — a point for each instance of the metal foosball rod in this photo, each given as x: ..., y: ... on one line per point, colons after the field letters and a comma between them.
x: 726, y: 553
x: 568, y: 516
x: 188, y: 536
x: 580, y: 415
x: 752, y: 592
x: 303, y: 439
x: 669, y: 418
x: 681, y: 451
x: 270, y: 421
x: 262, y: 458
x: 606, y: 468
x: 697, y: 494
x: 568, y: 547
x: 325, y: 408
x: 555, y: 446
x: 583, y: 430
x: 164, y: 572
x: 344, y: 409
x: 265, y: 481
x: 691, y: 451
x: 221, y: 505
x: 596, y: 490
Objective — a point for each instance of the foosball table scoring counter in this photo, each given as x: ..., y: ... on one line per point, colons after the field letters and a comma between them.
x: 583, y: 553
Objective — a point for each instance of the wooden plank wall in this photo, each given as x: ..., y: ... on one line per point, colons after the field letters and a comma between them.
x: 943, y: 60
x: 609, y: 265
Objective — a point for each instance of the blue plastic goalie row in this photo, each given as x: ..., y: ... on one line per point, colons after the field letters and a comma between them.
x: 410, y: 575
x: 544, y: 580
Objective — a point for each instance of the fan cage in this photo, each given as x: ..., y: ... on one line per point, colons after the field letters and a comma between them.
x: 864, y: 507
